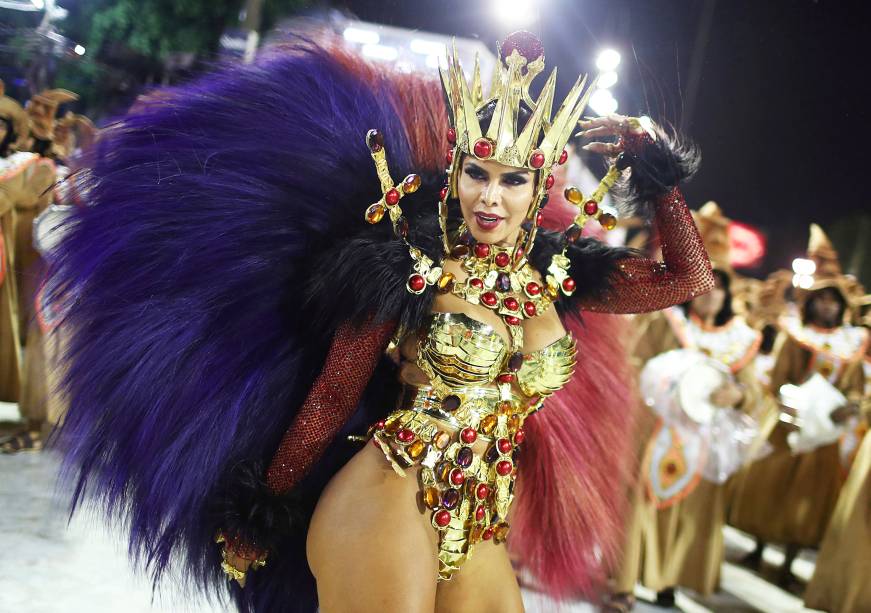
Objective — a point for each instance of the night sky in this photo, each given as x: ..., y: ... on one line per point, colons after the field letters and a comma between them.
x: 779, y: 113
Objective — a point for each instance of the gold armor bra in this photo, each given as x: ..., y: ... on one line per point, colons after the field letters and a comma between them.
x: 443, y: 427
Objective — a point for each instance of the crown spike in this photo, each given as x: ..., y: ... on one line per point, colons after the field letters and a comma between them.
x: 528, y: 138
x: 565, y: 119
x: 477, y: 88
x: 471, y: 130
x: 503, y: 126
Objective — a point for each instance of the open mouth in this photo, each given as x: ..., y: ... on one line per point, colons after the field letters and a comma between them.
x: 487, y: 221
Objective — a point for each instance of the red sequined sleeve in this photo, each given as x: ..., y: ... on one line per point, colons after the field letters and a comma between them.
x: 352, y: 358
x: 640, y: 284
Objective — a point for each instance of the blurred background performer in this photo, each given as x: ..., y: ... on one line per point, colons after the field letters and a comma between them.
x: 788, y: 496
x: 698, y: 376
x: 230, y: 308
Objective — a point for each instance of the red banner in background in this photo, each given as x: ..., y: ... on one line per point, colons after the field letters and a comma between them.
x: 746, y: 245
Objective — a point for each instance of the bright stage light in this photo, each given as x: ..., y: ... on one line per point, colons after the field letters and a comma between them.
x: 79, y: 50
x: 803, y: 281
x: 516, y: 12
x: 427, y: 47
x: 380, y: 52
x: 359, y: 35
x: 39, y: 4
x: 607, y: 79
x: 802, y: 266
x: 608, y: 60
x: 603, y: 102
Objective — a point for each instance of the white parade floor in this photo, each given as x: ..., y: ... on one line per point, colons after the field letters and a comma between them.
x: 50, y: 566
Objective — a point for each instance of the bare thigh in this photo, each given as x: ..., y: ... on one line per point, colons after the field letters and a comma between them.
x: 369, y: 545
x: 486, y: 583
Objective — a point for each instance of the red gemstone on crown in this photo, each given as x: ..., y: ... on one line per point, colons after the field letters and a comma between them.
x: 590, y: 207
x: 504, y: 468
x: 392, y: 196
x: 442, y: 519
x: 548, y: 183
x: 529, y: 309
x: 416, y: 283
x: 483, y: 148
x: 533, y: 288
x: 536, y: 160
x: 563, y: 157
x: 452, y: 136
x: 468, y: 435
x: 502, y: 259
x: 489, y: 299
x: 482, y: 250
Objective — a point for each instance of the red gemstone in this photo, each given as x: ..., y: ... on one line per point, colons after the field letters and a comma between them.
x: 511, y: 303
x: 529, y: 308
x: 457, y: 476
x: 548, y: 183
x: 468, y: 435
x: 536, y: 160
x: 405, y: 435
x: 519, y: 436
x: 442, y: 518
x: 569, y: 284
x: 505, y: 377
x: 539, y: 218
x: 563, y: 157
x: 452, y: 136
x: 449, y: 156
x: 482, y: 250
x: 479, y: 513
x: 443, y: 194
x: 590, y: 207
x: 489, y: 299
x: 482, y: 491
x: 533, y: 288
x: 504, y: 468
x: 511, y: 320
x: 519, y: 254
x: 416, y: 283
x: 488, y: 534
x: 379, y: 425
x: 504, y: 445
x: 483, y: 148
x: 502, y: 259
x: 476, y: 283
x: 392, y: 196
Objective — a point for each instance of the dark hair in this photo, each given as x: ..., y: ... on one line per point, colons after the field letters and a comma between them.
x: 485, y: 115
x: 769, y: 335
x: 9, y: 138
x: 834, y: 291
x: 725, y: 314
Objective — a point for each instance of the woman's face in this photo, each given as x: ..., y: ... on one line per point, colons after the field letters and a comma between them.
x: 494, y: 199
x: 825, y: 308
x: 708, y: 305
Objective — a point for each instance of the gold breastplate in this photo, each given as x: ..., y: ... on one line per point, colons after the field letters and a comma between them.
x: 458, y: 351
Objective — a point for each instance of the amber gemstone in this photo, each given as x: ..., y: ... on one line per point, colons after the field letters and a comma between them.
x: 501, y: 532
x: 416, y: 283
x: 504, y: 468
x: 442, y: 518
x: 415, y: 450
x: 511, y: 320
x: 573, y: 233
x: 489, y: 299
x: 411, y: 184
x: 444, y: 470
x: 608, y: 221
x: 482, y: 250
x: 450, y: 498
x: 513, y: 423
x: 375, y: 140
x: 511, y: 303
x: 446, y: 282
x: 502, y: 259
x: 459, y: 251
x: 443, y: 193
x: 452, y: 136
x: 519, y: 436
x: 482, y: 491
x: 515, y: 361
x: 479, y: 513
x: 529, y: 309
x: 552, y: 291
x: 483, y: 148
x: 548, y: 183
x: 504, y: 445
x: 476, y: 283
x: 488, y: 534
x: 533, y: 289
x: 457, y: 477
x: 563, y: 157
x: 431, y: 498
x: 503, y: 282
x: 402, y: 227
x: 441, y: 439
x: 464, y: 457
x: 391, y: 426
x: 488, y: 423
x: 375, y: 212
x: 405, y: 435
x: 468, y: 435
x: 475, y: 534
x: 573, y: 195
x: 569, y: 285
x: 536, y: 160
x: 505, y: 407
x: 492, y: 454
x: 451, y: 403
